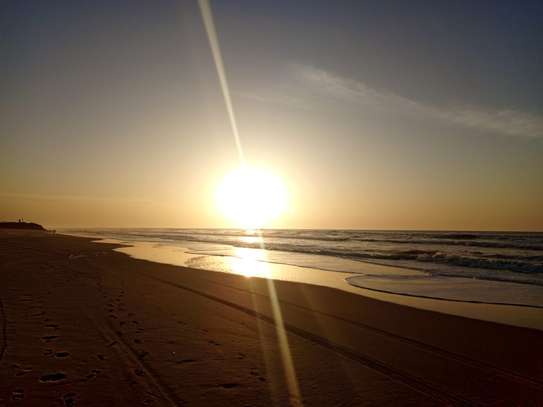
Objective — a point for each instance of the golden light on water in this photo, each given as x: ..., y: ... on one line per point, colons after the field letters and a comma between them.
x: 248, y: 263
x: 251, y: 198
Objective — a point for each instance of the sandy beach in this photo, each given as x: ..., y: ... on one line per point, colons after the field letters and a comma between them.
x: 83, y: 325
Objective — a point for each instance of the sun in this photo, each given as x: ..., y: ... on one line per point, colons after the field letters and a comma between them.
x: 251, y: 198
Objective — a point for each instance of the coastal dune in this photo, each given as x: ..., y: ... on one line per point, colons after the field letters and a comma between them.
x: 84, y: 325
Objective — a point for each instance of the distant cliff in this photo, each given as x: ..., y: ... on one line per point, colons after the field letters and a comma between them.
x: 21, y: 225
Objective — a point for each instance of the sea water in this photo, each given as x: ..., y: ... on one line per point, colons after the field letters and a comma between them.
x: 488, y: 267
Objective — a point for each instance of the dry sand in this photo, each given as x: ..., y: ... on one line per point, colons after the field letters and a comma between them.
x: 82, y: 325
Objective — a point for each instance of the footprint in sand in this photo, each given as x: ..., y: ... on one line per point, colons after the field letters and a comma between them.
x: 142, y: 354
x: 52, y: 377
x: 257, y: 375
x: 93, y: 373
x: 182, y: 361
x: 62, y: 354
x: 229, y: 385
x: 17, y: 394
x: 22, y: 372
x: 69, y: 399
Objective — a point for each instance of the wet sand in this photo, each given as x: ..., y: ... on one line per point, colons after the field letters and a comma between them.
x: 82, y: 325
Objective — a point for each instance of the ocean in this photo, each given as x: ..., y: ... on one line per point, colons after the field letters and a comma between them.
x: 500, y: 267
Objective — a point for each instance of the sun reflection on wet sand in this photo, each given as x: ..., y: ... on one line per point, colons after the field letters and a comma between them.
x: 249, y: 263
x: 282, y: 338
x: 252, y: 263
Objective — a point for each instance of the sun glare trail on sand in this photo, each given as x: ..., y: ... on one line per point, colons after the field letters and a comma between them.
x: 256, y: 214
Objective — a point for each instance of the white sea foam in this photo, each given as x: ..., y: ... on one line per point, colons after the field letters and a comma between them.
x: 466, y: 266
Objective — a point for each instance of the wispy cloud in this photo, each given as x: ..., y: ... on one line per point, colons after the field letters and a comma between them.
x: 277, y: 98
x: 505, y: 122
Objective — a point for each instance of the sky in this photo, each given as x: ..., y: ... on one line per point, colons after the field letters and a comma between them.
x: 376, y: 114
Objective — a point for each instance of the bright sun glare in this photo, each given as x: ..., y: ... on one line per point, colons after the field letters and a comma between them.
x: 251, y: 198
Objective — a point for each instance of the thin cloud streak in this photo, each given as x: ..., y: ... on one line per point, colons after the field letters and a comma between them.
x: 281, y: 98
x: 506, y: 122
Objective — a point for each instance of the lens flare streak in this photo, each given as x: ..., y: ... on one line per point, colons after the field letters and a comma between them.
x: 286, y: 357
x: 207, y: 16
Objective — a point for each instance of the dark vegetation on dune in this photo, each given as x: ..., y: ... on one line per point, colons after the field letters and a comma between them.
x: 21, y: 225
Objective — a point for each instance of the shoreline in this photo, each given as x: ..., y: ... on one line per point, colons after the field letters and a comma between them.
x: 510, y: 314
x: 212, y: 338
